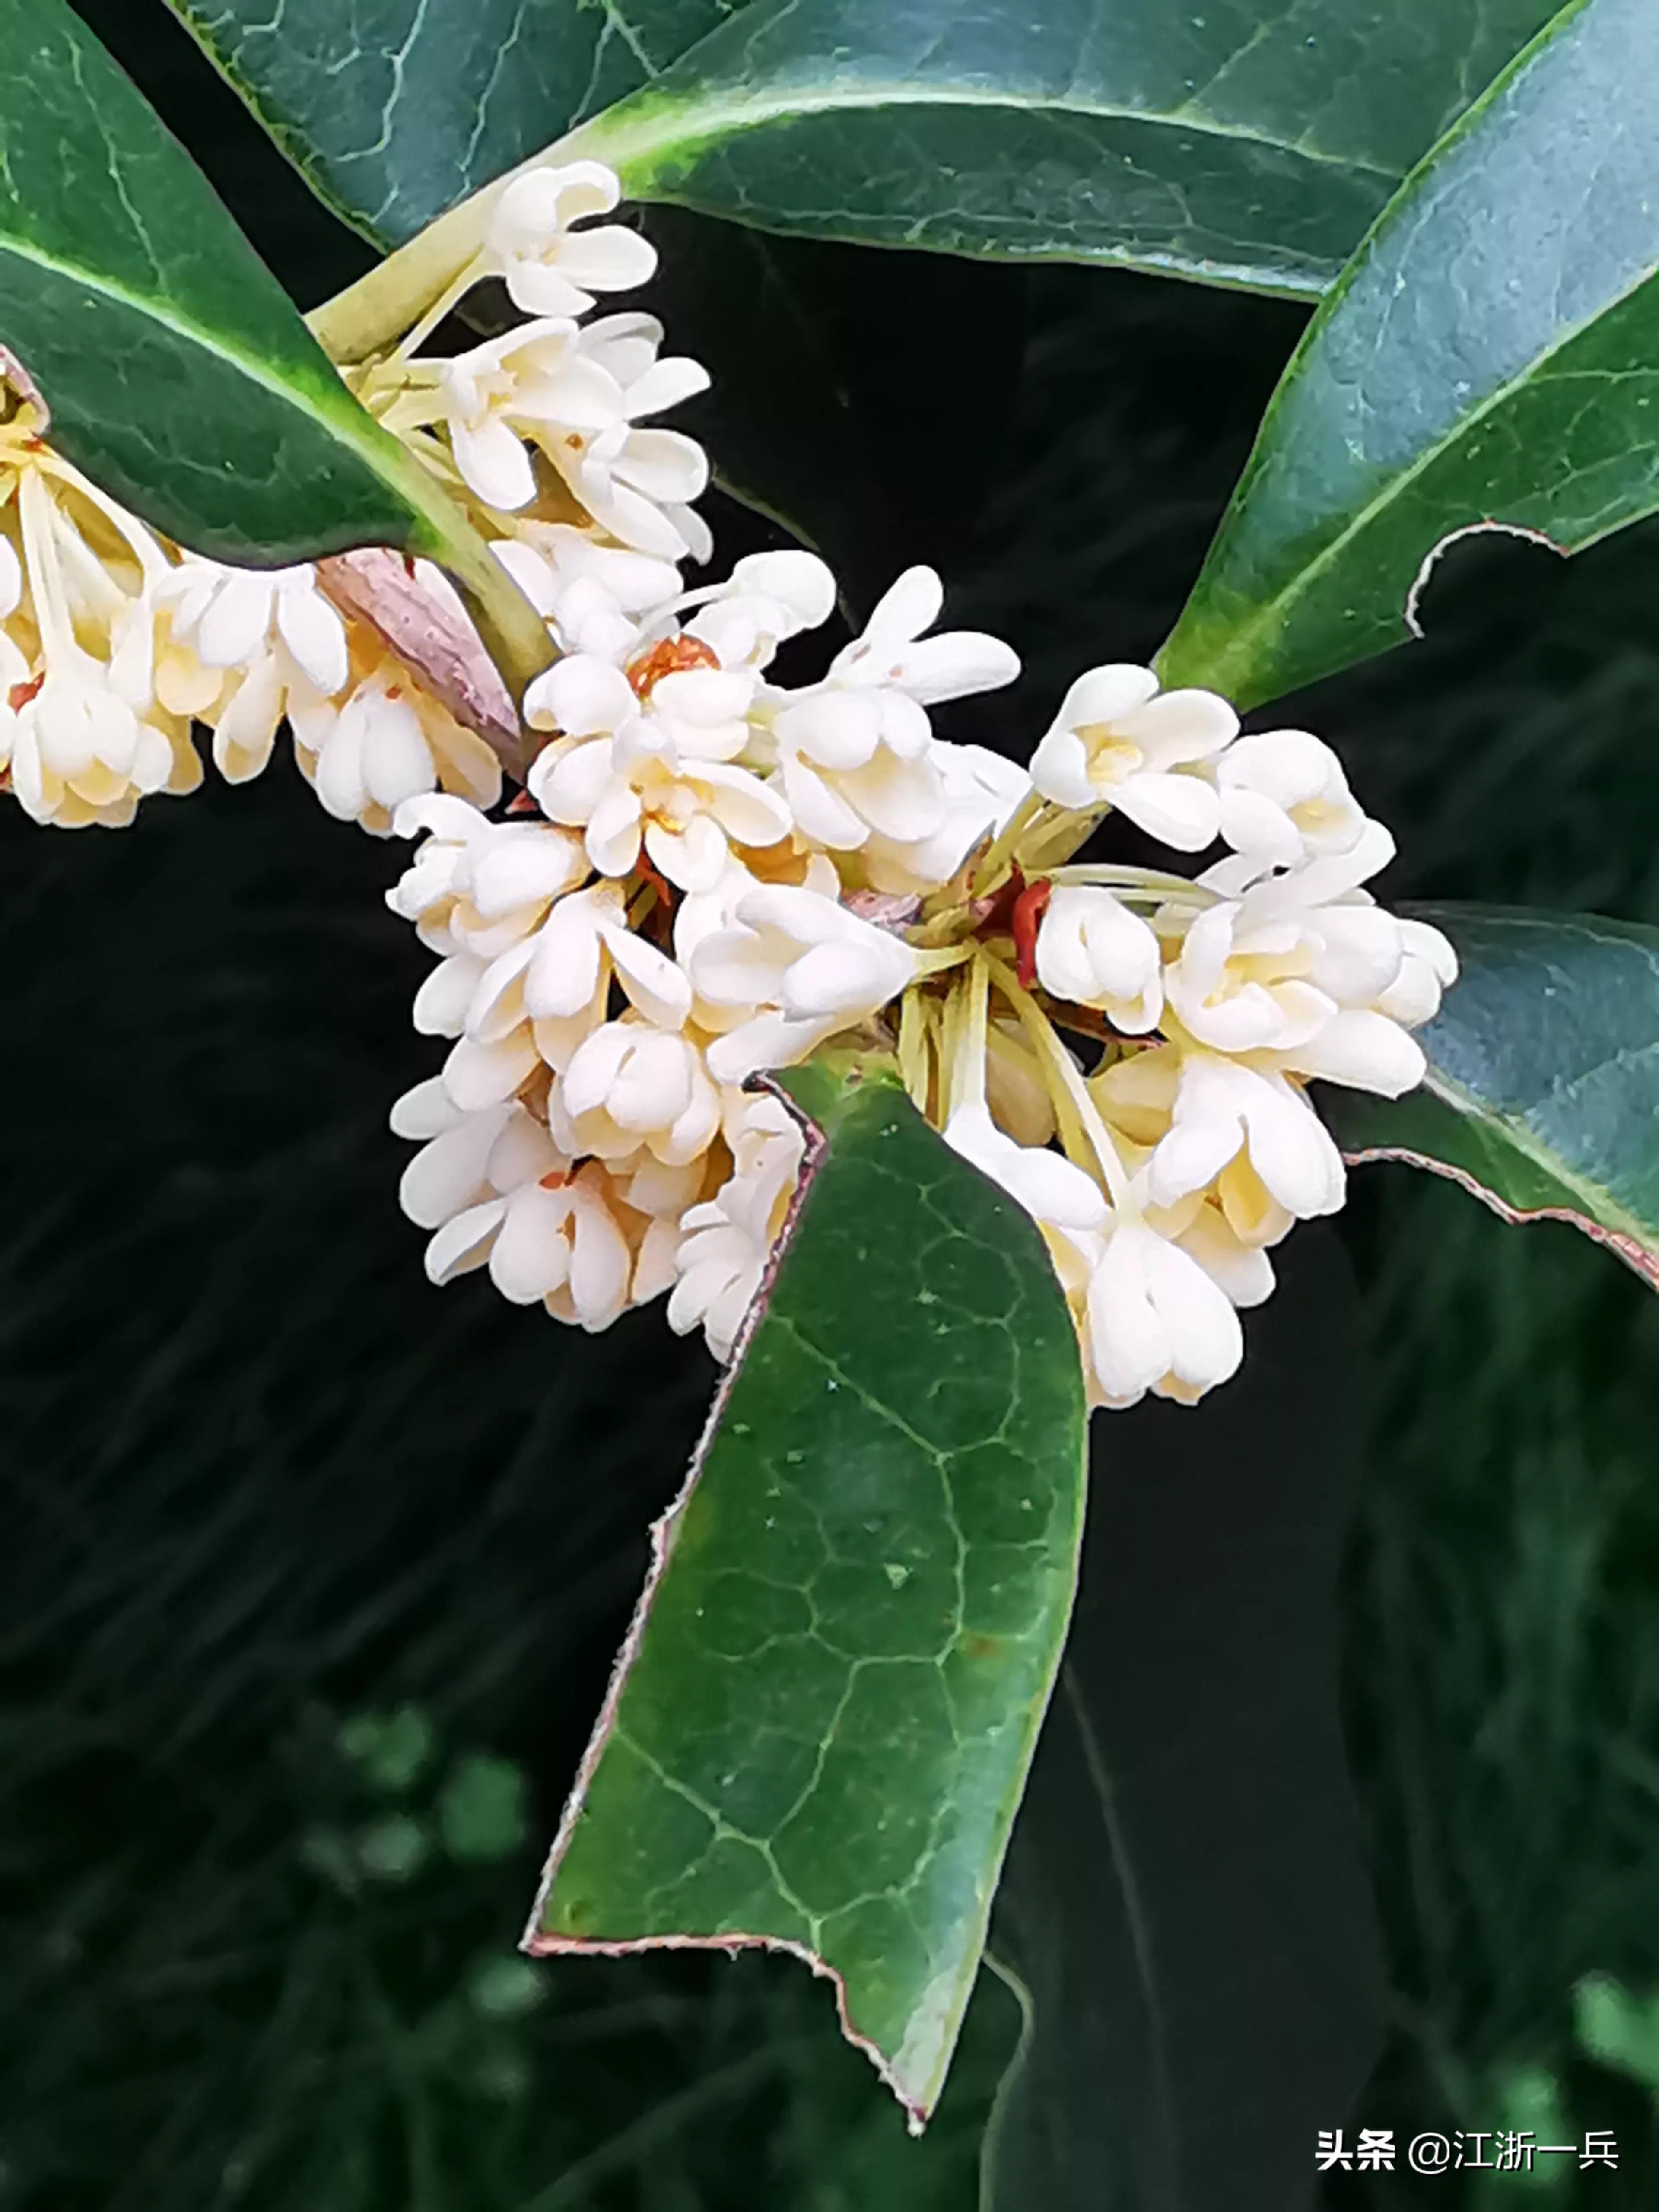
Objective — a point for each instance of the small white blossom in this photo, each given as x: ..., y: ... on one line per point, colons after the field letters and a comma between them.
x: 1224, y: 1112
x: 727, y: 1242
x: 1155, y: 1321
x: 493, y: 395
x: 94, y: 709
x: 1267, y: 970
x: 658, y: 775
x: 1056, y: 1193
x: 1092, y: 950
x: 280, y: 645
x: 637, y: 483
x: 1117, y: 741
x: 477, y: 886
x: 1284, y: 798
x: 1299, y: 967
x: 582, y: 947
x: 496, y: 1191
x: 855, y: 752
x: 596, y: 597
x: 579, y: 393
x: 792, y: 969
x: 980, y: 791
x: 767, y: 598
x: 551, y: 269
x: 388, y: 741
x: 629, y: 1084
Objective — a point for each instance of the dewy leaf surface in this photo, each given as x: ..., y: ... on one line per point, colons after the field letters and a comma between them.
x: 1543, y: 1090
x: 1211, y: 143
x: 1186, y: 1907
x: 1490, y: 359
x: 179, y: 374
x: 820, y: 1726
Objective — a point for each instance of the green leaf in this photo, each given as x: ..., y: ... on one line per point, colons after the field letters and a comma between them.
x: 821, y: 1722
x: 397, y: 109
x: 179, y: 374
x: 1490, y: 360
x: 1211, y: 144
x: 1542, y: 1096
x: 1186, y: 1908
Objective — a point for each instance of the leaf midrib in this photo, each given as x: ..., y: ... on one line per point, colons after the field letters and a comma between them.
x: 658, y: 130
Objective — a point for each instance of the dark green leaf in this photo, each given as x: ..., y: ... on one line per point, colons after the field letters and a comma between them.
x: 1211, y: 144
x: 179, y: 374
x: 397, y: 109
x: 1542, y: 1096
x: 821, y: 1720
x: 1488, y: 360
x: 1185, y: 1906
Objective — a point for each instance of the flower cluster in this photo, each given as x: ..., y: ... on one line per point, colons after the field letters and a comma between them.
x: 718, y: 873
x: 711, y: 874
x: 112, y: 643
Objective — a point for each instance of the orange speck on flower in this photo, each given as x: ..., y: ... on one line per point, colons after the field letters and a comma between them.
x: 20, y: 694
x: 667, y: 658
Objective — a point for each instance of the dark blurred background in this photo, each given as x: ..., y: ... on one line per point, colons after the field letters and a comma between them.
x: 312, y: 1576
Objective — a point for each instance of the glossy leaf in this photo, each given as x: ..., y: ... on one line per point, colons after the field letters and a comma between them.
x: 821, y: 1723
x: 177, y: 373
x: 1212, y: 143
x: 397, y: 109
x: 1543, y: 1090
x: 1186, y: 1910
x: 1490, y: 360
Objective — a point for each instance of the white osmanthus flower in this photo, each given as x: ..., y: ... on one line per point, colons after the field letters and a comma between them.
x: 677, y: 916
x: 275, y: 642
x: 767, y: 598
x: 1154, y: 1320
x: 1298, y: 965
x: 1092, y: 951
x: 629, y: 1085
x: 855, y: 753
x: 658, y: 773
x: 637, y: 483
x: 549, y: 267
x: 387, y: 742
x: 496, y: 1192
x: 981, y: 792
x: 579, y: 394
x: 597, y: 598
x: 1285, y: 798
x: 792, y: 969
x: 96, y: 699
x: 1118, y: 741
x: 726, y: 1242
x: 1249, y: 1131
